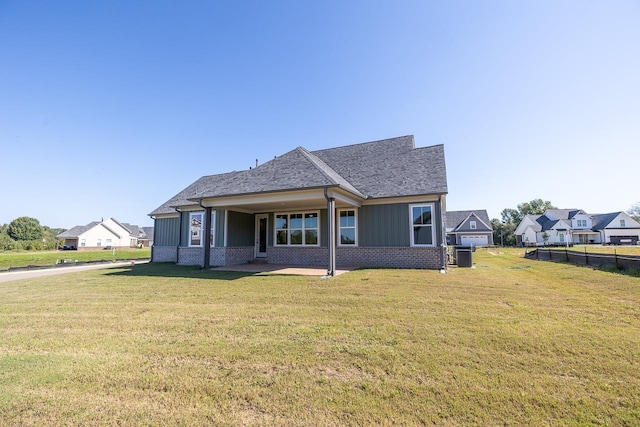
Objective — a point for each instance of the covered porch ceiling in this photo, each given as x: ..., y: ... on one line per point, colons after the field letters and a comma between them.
x: 284, y: 201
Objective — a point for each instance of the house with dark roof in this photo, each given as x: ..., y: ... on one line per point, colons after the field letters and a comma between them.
x: 109, y: 233
x: 374, y: 204
x: 575, y: 226
x: 469, y: 228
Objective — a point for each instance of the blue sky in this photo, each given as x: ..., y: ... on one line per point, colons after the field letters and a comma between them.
x: 110, y: 108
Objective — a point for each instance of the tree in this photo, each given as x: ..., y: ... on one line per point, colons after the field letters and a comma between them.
x: 634, y: 211
x: 504, y: 231
x: 25, y: 228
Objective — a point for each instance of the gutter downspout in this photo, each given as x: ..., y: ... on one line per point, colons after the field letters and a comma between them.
x: 179, y: 235
x: 206, y: 223
x: 331, y: 220
x: 443, y: 236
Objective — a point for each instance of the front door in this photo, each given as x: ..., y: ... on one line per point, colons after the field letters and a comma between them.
x: 262, y: 221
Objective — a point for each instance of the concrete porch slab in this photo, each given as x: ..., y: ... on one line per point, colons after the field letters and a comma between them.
x: 280, y: 269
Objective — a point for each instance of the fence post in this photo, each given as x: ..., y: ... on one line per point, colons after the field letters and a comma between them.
x: 566, y: 254
x: 586, y: 255
x: 615, y: 254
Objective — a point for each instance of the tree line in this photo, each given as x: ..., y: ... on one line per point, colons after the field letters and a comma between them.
x: 505, y: 227
x: 27, y: 234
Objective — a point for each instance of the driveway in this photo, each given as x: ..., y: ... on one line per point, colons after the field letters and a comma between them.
x: 30, y: 274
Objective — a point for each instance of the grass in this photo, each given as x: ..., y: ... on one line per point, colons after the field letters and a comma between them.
x: 512, y: 341
x: 47, y: 258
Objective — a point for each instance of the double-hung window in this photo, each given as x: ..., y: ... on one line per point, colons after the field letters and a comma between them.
x: 347, y: 227
x: 196, y: 230
x: 622, y: 223
x: 300, y: 228
x: 422, y: 227
x: 473, y: 225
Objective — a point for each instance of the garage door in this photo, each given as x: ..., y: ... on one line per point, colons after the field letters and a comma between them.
x: 474, y: 240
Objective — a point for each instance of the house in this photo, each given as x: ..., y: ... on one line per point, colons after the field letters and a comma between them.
x: 569, y: 226
x: 105, y: 234
x: 374, y: 204
x: 469, y: 228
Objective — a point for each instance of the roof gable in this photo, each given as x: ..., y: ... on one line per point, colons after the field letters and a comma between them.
x: 602, y: 221
x: 390, y: 167
x: 460, y: 220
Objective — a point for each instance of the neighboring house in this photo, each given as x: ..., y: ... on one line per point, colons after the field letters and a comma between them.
x: 469, y: 228
x: 105, y: 234
x: 569, y: 226
x: 375, y: 204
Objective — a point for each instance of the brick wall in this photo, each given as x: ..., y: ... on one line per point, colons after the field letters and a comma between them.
x: 382, y: 257
x: 164, y: 254
x: 300, y: 255
x: 231, y: 256
x: 191, y: 256
x: 389, y: 257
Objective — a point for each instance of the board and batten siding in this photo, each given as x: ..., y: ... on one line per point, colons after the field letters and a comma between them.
x: 389, y: 226
x: 241, y: 229
x: 166, y: 231
x: 384, y: 225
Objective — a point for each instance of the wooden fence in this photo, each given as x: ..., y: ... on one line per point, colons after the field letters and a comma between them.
x: 622, y: 262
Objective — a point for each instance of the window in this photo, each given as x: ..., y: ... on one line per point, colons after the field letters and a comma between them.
x: 347, y: 228
x: 561, y: 237
x: 196, y: 233
x: 582, y: 223
x: 472, y: 225
x: 297, y: 229
x: 108, y: 242
x: 99, y: 242
x: 83, y: 242
x: 421, y: 225
x: 622, y: 223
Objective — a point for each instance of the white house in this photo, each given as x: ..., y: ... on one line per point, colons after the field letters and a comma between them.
x: 104, y: 234
x: 569, y: 226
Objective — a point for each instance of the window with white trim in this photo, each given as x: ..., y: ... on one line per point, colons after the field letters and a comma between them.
x: 108, y: 242
x: 473, y: 225
x: 347, y: 227
x: 622, y: 223
x: 582, y: 223
x: 196, y: 230
x: 297, y: 229
x: 83, y: 242
x: 99, y: 242
x: 422, y: 227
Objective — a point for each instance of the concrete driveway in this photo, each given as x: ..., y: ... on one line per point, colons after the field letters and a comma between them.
x: 30, y: 274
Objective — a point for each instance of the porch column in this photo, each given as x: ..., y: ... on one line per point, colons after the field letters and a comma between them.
x: 206, y: 224
x: 331, y: 222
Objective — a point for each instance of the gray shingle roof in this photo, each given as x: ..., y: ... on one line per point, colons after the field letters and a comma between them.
x: 390, y: 168
x: 600, y: 221
x: 77, y: 230
x: 386, y: 168
x: 454, y: 219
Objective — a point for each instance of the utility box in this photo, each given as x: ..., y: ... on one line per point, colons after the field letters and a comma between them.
x: 464, y: 257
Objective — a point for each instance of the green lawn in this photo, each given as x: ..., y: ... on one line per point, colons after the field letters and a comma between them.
x: 510, y: 342
x: 46, y: 258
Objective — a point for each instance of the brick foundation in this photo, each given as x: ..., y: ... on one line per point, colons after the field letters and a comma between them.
x: 164, y: 254
x: 375, y: 257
